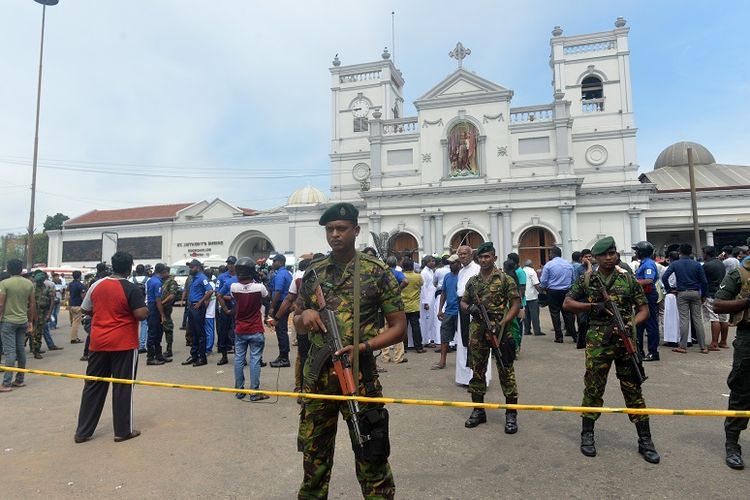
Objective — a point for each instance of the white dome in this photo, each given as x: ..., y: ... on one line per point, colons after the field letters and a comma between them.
x: 308, y: 195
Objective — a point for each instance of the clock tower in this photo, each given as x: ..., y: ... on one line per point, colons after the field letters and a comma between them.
x: 360, y: 93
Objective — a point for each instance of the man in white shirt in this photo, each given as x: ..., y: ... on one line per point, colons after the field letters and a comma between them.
x: 532, y: 300
x: 426, y: 302
x: 469, y: 268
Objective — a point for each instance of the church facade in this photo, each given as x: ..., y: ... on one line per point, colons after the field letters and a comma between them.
x: 468, y: 167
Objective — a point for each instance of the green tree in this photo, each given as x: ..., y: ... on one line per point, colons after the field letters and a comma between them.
x: 55, y: 221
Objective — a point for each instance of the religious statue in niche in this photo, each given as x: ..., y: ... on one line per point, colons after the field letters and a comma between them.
x: 462, y: 150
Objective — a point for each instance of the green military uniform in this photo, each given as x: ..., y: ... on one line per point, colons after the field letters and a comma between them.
x: 625, y: 291
x: 169, y: 287
x: 318, y: 419
x: 44, y: 295
x: 496, y: 294
x: 736, y: 285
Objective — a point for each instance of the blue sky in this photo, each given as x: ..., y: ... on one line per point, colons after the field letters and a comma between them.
x: 234, y: 94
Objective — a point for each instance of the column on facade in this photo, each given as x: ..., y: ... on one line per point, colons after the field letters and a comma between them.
x: 374, y: 225
x: 439, y: 237
x: 494, y: 227
x: 292, y: 239
x: 635, y: 226
x: 507, y: 243
x: 426, y: 234
x: 567, y: 237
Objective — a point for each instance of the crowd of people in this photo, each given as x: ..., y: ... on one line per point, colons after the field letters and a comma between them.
x: 465, y: 302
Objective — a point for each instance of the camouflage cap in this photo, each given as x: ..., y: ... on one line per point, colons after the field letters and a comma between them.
x: 339, y: 211
x: 485, y: 247
x: 603, y: 245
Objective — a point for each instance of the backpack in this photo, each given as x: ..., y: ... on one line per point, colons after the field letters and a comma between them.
x: 142, y: 284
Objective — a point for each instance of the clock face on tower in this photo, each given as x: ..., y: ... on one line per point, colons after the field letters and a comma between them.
x: 360, y: 107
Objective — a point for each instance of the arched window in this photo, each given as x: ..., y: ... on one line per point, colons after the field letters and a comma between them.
x: 466, y: 237
x: 592, y: 94
x: 591, y: 88
x: 535, y: 244
x: 405, y: 245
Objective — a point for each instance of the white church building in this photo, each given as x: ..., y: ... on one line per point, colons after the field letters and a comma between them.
x: 469, y: 167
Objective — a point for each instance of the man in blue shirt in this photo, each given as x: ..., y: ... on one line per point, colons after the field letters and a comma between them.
x: 155, y: 330
x: 692, y: 289
x: 197, y: 301
x: 224, y: 314
x: 76, y: 291
x: 557, y: 277
x: 281, y: 281
x: 448, y: 310
x: 646, y: 275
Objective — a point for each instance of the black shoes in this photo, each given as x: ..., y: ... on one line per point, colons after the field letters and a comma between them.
x: 651, y: 357
x: 154, y: 361
x: 223, y: 360
x: 280, y: 363
x: 478, y: 415
x: 188, y: 361
x: 200, y: 361
x: 587, y: 437
x: 81, y: 439
x: 133, y: 434
x: 76, y: 341
x: 734, y: 451
x: 142, y: 351
x: 558, y: 340
x: 511, y: 422
x: 645, y: 445
x: 37, y: 355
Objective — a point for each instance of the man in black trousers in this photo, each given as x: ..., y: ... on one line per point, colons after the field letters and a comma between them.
x: 116, y: 307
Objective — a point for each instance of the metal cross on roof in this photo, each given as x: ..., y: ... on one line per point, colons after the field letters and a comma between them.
x: 459, y: 53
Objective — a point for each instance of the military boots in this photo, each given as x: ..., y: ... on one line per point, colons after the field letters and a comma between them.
x: 645, y: 445
x: 478, y: 416
x: 587, y: 437
x: 511, y: 420
x: 168, y: 352
x: 734, y: 450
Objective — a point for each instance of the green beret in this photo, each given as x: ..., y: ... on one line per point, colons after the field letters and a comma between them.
x: 603, y: 245
x: 339, y: 211
x: 485, y: 247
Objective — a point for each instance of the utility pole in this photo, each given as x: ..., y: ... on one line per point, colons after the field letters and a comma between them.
x: 694, y: 203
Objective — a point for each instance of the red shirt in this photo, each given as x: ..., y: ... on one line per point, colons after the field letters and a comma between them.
x: 113, y: 326
x: 248, y: 298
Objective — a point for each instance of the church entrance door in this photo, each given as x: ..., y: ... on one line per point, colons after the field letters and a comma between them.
x: 535, y: 244
x: 466, y: 237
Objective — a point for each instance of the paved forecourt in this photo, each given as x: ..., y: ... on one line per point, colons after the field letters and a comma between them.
x: 202, y: 444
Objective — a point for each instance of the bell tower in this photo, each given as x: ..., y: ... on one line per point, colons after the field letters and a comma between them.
x: 360, y: 92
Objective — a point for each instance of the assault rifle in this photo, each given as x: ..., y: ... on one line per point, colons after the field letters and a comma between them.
x: 342, y: 366
x: 623, y: 331
x: 492, y: 338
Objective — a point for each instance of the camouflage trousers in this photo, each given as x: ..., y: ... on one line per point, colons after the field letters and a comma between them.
x: 168, y: 326
x: 479, y: 356
x: 599, y: 359
x: 317, y: 438
x: 36, y: 338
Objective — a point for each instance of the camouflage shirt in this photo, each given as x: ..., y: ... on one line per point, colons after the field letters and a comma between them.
x: 622, y: 287
x: 732, y: 287
x: 495, y: 294
x: 170, y: 287
x: 44, y: 295
x: 379, y: 291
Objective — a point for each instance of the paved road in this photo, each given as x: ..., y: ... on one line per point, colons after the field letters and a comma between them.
x: 206, y: 445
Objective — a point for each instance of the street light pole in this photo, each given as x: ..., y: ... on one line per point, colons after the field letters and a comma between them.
x: 30, y: 236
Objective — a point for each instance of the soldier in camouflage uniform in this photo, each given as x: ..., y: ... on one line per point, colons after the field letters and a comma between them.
x: 318, y: 419
x: 603, y: 346
x: 733, y: 296
x: 169, y: 291
x: 45, y: 298
x: 498, y: 293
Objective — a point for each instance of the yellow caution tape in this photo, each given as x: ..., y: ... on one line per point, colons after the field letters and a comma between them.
x: 402, y: 401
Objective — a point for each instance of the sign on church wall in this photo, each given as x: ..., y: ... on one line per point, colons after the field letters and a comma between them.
x: 400, y: 157
x: 533, y: 145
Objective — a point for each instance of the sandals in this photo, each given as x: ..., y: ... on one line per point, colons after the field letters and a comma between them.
x: 681, y: 350
x: 704, y: 351
x: 437, y: 366
x: 723, y: 346
x: 713, y: 348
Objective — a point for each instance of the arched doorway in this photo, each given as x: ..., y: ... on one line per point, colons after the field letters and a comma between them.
x: 405, y: 245
x: 253, y: 244
x: 535, y: 244
x: 466, y: 237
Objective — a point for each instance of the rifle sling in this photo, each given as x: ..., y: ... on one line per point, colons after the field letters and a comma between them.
x: 355, y: 328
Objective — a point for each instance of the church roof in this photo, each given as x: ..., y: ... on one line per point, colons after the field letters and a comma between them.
x: 707, y: 177
x: 151, y: 213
